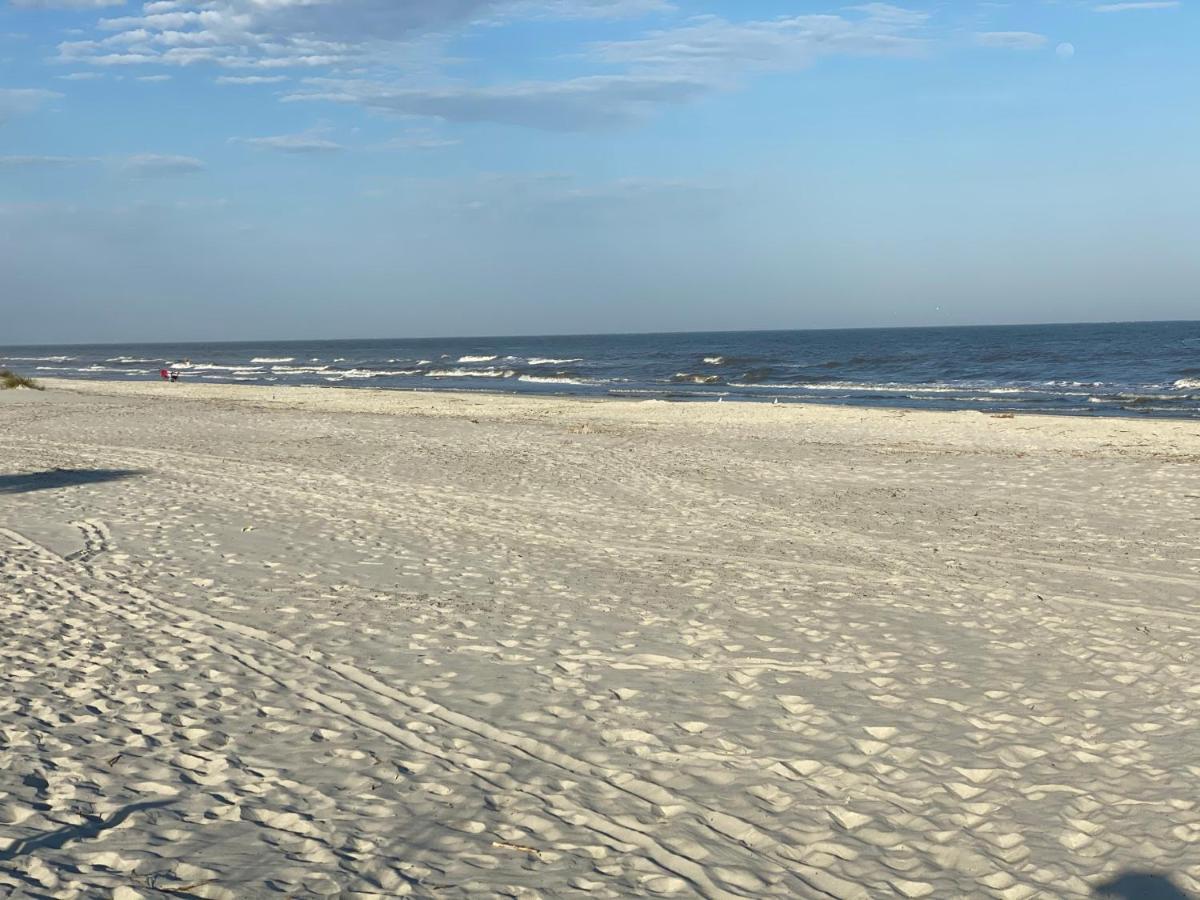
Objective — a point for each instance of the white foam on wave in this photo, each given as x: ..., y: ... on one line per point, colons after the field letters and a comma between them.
x: 91, y: 368
x: 547, y: 361
x: 378, y: 373
x: 689, y: 378
x: 1187, y: 384
x: 549, y: 379
x: 40, y: 358
x: 471, y: 359
x: 213, y: 367
x: 898, y: 388
x: 470, y: 373
x: 273, y: 359
x: 299, y: 370
x: 132, y: 359
x: 715, y: 360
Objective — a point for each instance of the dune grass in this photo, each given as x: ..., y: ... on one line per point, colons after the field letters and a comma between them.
x: 10, y: 379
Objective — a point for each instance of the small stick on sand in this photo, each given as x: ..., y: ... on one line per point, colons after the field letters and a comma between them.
x: 504, y: 845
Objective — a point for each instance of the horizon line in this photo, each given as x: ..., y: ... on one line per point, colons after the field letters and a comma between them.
x: 600, y: 334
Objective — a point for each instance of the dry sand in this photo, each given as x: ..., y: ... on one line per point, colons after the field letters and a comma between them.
x: 301, y: 642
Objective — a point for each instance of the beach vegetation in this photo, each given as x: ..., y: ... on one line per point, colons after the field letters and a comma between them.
x: 10, y: 379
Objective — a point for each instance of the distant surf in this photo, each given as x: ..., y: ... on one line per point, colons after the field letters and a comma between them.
x: 1145, y: 369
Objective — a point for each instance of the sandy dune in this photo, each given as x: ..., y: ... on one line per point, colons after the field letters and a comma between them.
x: 352, y: 643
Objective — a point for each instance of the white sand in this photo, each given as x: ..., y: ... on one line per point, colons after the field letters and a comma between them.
x: 357, y: 643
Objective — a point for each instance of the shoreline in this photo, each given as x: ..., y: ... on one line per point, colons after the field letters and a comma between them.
x: 1169, y: 437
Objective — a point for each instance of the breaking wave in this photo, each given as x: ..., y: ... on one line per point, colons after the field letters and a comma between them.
x: 470, y: 373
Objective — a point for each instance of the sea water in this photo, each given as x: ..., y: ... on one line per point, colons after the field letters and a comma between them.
x: 1150, y: 369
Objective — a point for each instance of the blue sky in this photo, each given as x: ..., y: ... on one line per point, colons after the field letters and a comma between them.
x: 228, y: 169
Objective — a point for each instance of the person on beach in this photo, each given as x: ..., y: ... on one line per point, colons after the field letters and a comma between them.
x: 164, y: 374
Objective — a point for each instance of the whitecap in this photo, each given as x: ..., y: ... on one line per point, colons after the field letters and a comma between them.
x: 551, y: 379
x: 378, y: 373
x: 213, y: 367
x: 472, y: 359
x: 470, y: 373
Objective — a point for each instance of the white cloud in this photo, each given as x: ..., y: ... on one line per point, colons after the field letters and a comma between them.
x: 250, y: 79
x: 588, y: 9
x: 80, y: 76
x: 661, y: 67
x: 895, y: 15
x: 785, y: 43
x: 150, y: 165
x: 66, y: 4
x: 299, y: 33
x: 1065, y: 50
x: 261, y: 33
x: 140, y: 165
x: 21, y: 101
x: 293, y: 143
x: 417, y: 139
x: 1011, y: 40
x: 33, y: 162
x: 578, y: 104
x: 1144, y: 4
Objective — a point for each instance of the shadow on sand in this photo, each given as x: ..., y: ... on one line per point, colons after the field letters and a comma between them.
x: 60, y: 478
x: 53, y: 840
x: 1141, y: 886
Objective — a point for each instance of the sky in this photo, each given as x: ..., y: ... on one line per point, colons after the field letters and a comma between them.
x: 274, y: 169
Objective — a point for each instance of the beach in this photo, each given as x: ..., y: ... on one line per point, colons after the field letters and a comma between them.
x: 306, y: 641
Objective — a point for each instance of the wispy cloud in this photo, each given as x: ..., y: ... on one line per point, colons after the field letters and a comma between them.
x: 250, y: 79
x: 1011, y: 40
x: 421, y: 139
x: 66, y: 4
x: 293, y: 143
x: 1137, y: 4
x: 153, y: 165
x: 139, y: 165
x: 786, y: 43
x: 587, y: 9
x: 663, y: 67
x: 274, y: 34
x: 578, y: 104
x: 48, y: 162
x: 21, y: 101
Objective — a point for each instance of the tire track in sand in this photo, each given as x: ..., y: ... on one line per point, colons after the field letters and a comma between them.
x: 731, y: 828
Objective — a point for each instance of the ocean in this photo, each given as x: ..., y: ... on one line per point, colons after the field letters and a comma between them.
x: 1143, y: 368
